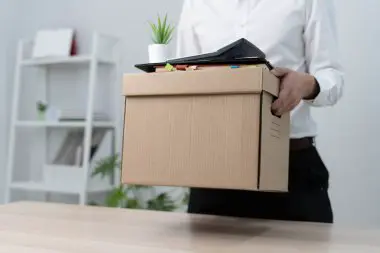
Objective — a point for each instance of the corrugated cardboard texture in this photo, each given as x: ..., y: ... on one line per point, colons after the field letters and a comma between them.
x: 206, y: 128
x: 203, y: 141
x: 216, y: 81
x: 274, y: 151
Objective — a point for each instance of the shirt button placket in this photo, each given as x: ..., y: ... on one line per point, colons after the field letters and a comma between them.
x: 243, y: 11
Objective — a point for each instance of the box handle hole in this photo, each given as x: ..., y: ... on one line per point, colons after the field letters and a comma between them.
x: 274, y: 99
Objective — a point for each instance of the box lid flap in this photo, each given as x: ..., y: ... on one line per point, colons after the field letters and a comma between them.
x: 271, y: 83
x: 215, y: 81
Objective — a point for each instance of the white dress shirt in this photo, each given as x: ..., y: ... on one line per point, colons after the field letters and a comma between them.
x: 296, y: 34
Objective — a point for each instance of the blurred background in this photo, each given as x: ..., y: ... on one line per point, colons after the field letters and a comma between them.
x: 349, y: 132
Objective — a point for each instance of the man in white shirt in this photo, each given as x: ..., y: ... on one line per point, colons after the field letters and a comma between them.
x: 298, y: 38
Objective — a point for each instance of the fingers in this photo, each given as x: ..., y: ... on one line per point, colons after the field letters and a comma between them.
x: 286, y: 102
x: 281, y: 103
x: 291, y: 105
x: 290, y: 92
x: 288, y: 97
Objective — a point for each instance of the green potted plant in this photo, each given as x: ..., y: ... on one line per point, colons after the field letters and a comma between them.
x: 138, y: 196
x: 41, y: 110
x: 162, y: 33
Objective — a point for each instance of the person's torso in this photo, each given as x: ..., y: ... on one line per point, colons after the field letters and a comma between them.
x: 274, y: 26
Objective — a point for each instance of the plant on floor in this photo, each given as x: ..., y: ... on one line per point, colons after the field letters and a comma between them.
x: 137, y: 196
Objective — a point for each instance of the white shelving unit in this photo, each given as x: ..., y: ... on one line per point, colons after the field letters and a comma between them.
x: 66, y: 124
x: 65, y: 60
x: 60, y: 178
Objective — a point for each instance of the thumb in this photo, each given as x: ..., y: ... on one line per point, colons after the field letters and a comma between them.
x: 280, y: 72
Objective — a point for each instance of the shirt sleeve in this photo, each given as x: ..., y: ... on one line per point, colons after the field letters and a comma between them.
x: 187, y: 41
x: 322, y: 53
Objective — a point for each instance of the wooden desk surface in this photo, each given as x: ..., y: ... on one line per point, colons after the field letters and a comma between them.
x: 39, y: 227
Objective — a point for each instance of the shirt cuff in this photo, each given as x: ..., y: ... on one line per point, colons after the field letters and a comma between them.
x: 322, y: 97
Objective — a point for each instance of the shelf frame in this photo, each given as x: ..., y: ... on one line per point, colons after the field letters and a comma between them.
x: 93, y: 60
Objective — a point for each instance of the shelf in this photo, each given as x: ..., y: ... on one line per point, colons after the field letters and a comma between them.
x: 42, y: 187
x: 56, y: 178
x: 81, y: 59
x: 64, y: 124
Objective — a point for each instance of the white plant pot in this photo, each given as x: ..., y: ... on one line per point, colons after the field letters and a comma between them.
x: 158, y: 53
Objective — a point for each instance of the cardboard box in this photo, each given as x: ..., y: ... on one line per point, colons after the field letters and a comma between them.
x: 208, y: 128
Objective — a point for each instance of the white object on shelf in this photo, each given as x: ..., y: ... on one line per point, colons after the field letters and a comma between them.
x: 78, y: 155
x: 158, y: 53
x: 57, y: 42
x: 78, y: 115
x: 42, y: 187
x: 78, y: 59
x: 64, y: 124
x: 52, y: 114
x: 56, y: 178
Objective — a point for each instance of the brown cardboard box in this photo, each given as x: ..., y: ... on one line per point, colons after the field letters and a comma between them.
x: 208, y: 128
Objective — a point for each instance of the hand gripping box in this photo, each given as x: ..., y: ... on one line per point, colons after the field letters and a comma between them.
x: 210, y: 128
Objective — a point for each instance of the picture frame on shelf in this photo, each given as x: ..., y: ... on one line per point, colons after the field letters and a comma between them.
x: 54, y: 43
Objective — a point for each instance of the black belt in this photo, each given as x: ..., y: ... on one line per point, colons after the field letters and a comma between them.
x: 302, y: 143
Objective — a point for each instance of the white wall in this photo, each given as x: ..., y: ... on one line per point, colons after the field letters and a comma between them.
x: 352, y: 152
x: 125, y: 19
x: 349, y: 151
x: 2, y: 95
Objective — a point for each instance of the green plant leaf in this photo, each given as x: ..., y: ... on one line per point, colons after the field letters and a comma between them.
x: 162, y: 32
x: 161, y: 203
x: 186, y: 198
x: 133, y: 203
x: 116, y: 197
x: 159, y: 30
x: 164, y: 37
x: 165, y: 20
x: 168, y: 34
x: 106, y: 167
x: 154, y: 32
x: 139, y: 187
x: 133, y: 196
x: 164, y: 27
x: 41, y: 106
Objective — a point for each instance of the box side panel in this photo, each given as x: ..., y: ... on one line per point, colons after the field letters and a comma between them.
x: 274, y: 153
x: 271, y: 83
x: 192, y: 141
x: 216, y: 81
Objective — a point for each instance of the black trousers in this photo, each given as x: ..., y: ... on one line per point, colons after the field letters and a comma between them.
x: 307, y: 199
